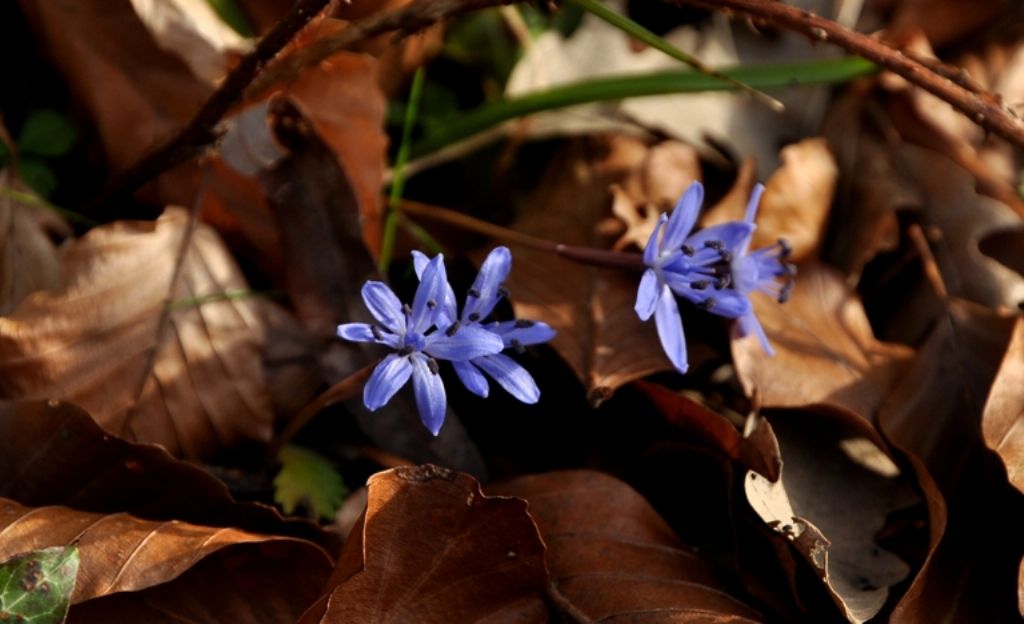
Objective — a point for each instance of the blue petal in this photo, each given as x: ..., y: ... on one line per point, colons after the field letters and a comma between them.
x: 384, y: 306
x: 651, y: 250
x: 523, y: 332
x: 749, y: 324
x: 472, y: 378
x: 430, y: 397
x: 510, y: 376
x: 465, y: 344
x: 683, y: 217
x: 448, y: 309
x: 670, y: 329
x: 430, y: 295
x: 647, y: 295
x: 363, y: 332
x: 387, y: 378
x: 755, y: 200
x: 492, y: 275
x: 735, y: 235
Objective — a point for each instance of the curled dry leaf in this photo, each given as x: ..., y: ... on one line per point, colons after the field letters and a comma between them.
x: 175, y: 364
x: 29, y: 258
x: 826, y: 354
x: 613, y: 558
x: 1002, y: 422
x: 53, y: 453
x: 796, y: 201
x: 122, y: 553
x: 599, y: 334
x: 146, y: 93
x: 836, y: 490
x: 192, y: 30
x: 432, y: 548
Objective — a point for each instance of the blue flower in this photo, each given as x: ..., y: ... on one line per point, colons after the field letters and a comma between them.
x: 485, y: 293
x: 419, y: 336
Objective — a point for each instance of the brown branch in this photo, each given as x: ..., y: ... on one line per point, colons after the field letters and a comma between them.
x: 983, y: 108
x: 200, y: 130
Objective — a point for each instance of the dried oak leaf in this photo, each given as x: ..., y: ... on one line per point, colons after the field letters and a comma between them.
x: 826, y: 354
x: 1002, y: 422
x: 173, y: 364
x: 613, y: 558
x: 599, y: 334
x: 432, y: 548
x: 934, y: 415
x: 29, y: 257
x: 53, y: 453
x: 835, y: 492
x: 239, y: 576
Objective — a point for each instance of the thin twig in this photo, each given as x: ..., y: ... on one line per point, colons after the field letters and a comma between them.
x: 200, y: 130
x: 983, y: 108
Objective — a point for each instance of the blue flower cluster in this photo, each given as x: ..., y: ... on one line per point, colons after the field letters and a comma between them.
x: 713, y: 269
x: 431, y: 330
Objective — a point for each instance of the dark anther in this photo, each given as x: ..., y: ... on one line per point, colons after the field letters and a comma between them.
x: 376, y: 332
x: 454, y: 327
x: 518, y: 346
x: 503, y: 292
x: 405, y: 350
x: 790, y: 269
x: 700, y: 284
x: 726, y: 255
x: 707, y: 304
x: 407, y: 309
x: 784, y: 248
x: 473, y: 316
x: 787, y: 290
x: 431, y: 304
x: 715, y: 244
x: 473, y: 292
x: 689, y: 251
x: 432, y: 365
x: 523, y: 323
x: 724, y: 282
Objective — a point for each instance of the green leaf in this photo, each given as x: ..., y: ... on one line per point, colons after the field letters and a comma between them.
x: 46, y: 133
x: 308, y: 478
x: 37, y: 586
x: 38, y: 176
x: 232, y: 15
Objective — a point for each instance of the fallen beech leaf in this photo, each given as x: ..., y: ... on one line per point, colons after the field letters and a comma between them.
x: 834, y: 495
x: 599, y: 334
x: 946, y: 21
x: 146, y: 93
x: 826, y: 354
x: 37, y: 586
x: 934, y: 414
x: 53, y: 453
x: 193, y: 31
x: 612, y: 557
x: 432, y: 548
x: 150, y: 362
x: 28, y: 254
x: 1002, y: 422
x: 121, y: 553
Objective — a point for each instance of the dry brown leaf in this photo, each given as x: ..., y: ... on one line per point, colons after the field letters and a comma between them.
x: 136, y: 94
x: 53, y: 453
x: 613, y: 558
x: 122, y: 553
x: 194, y: 385
x: 1002, y: 422
x: 826, y: 354
x: 29, y: 258
x: 946, y: 21
x: 599, y: 334
x: 836, y: 491
x: 432, y: 548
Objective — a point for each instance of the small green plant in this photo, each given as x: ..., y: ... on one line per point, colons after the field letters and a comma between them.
x: 46, y: 135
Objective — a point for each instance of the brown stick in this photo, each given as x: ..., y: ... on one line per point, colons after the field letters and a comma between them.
x: 981, y: 107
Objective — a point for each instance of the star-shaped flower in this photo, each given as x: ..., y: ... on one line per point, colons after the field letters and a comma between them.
x: 419, y: 335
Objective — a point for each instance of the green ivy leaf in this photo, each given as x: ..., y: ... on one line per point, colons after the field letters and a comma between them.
x: 46, y: 133
x: 37, y: 586
x: 308, y: 478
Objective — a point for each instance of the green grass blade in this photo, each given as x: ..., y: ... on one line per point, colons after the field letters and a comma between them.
x: 772, y: 76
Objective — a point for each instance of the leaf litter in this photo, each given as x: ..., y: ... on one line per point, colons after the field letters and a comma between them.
x: 155, y: 358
